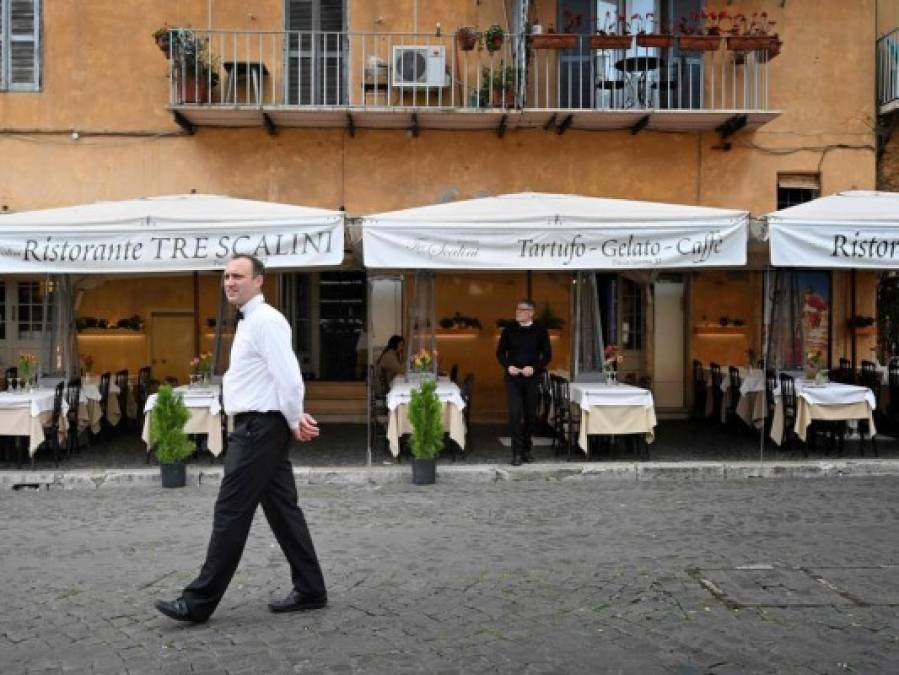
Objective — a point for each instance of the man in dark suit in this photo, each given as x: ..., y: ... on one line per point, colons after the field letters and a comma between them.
x: 523, y: 352
x: 263, y: 393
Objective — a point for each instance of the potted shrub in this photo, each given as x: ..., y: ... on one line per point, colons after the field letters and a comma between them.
x: 614, y: 33
x: 498, y: 87
x: 194, y: 69
x: 167, y: 437
x: 163, y: 39
x: 493, y: 38
x: 467, y: 38
x: 425, y: 415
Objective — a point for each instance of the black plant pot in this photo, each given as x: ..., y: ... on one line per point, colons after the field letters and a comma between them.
x: 173, y: 475
x: 424, y: 471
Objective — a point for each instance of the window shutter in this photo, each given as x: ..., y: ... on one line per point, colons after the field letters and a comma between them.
x: 24, y: 44
x: 331, y: 15
x: 299, y: 15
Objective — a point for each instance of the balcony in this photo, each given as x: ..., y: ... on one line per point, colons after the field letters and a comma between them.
x: 888, y: 72
x: 416, y: 82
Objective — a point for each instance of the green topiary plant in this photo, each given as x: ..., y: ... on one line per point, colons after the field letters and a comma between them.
x: 425, y: 413
x: 167, y: 420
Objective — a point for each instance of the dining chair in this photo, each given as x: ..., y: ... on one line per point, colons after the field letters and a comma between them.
x: 377, y: 409
x: 103, y: 387
x: 735, y: 381
x: 700, y: 390
x: 466, y: 393
x: 893, y: 388
x: 51, y: 430
x: 788, y: 404
x: 143, y: 393
x: 121, y: 380
x: 870, y: 379
x: 73, y: 400
x: 717, y: 394
x: 770, y: 403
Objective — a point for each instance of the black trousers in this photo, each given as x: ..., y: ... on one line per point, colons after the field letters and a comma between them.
x: 521, y: 401
x: 257, y: 471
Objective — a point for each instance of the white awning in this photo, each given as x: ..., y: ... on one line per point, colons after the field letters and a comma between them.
x: 167, y: 234
x: 554, y: 232
x: 849, y: 229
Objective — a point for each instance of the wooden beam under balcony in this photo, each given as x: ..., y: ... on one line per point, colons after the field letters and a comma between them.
x: 423, y: 119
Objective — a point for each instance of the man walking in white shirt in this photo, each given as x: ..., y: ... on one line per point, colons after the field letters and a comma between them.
x: 263, y: 392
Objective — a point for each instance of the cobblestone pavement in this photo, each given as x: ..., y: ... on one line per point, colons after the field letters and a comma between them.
x: 537, y: 577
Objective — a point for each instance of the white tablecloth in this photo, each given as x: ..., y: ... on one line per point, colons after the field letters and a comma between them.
x: 613, y: 409
x: 589, y: 394
x: 832, y: 393
x: 205, y: 415
x: 398, y: 399
x: 26, y: 413
x: 401, y: 393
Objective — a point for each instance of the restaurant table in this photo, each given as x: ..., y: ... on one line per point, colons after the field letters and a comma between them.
x: 636, y: 69
x: 205, y: 415
x: 113, y: 408
x: 831, y: 401
x: 398, y: 399
x: 613, y: 410
x: 25, y: 413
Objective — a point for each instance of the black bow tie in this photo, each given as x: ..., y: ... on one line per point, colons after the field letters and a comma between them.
x: 238, y: 316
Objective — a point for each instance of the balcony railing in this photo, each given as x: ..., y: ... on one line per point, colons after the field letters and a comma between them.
x: 888, y: 71
x: 383, y: 72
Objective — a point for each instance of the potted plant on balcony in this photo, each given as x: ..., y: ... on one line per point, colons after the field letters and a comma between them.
x: 163, y: 39
x: 614, y: 33
x: 694, y: 35
x: 755, y: 34
x: 425, y: 416
x: 467, y: 38
x: 652, y: 36
x: 493, y: 38
x: 502, y: 86
x: 167, y: 437
x: 194, y: 69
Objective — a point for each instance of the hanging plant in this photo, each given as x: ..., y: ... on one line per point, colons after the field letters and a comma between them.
x: 493, y: 38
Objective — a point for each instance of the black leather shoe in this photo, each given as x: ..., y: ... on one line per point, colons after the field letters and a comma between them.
x: 516, y: 460
x: 177, y: 610
x: 299, y: 602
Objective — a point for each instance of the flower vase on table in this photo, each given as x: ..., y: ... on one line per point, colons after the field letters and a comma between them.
x: 26, y: 366
x: 201, y: 369
x: 611, y: 359
x: 611, y: 376
x: 422, y: 366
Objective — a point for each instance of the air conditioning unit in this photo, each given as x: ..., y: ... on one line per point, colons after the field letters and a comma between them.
x: 419, y: 66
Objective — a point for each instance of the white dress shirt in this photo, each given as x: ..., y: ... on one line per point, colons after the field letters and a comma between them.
x: 263, y: 374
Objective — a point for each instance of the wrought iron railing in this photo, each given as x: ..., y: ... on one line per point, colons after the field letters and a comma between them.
x: 306, y: 69
x: 888, y: 68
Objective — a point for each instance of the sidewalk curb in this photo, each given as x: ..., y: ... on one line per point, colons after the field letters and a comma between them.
x: 474, y: 473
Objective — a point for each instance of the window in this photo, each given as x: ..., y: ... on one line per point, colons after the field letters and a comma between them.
x: 20, y: 45
x: 316, y: 50
x: 797, y: 188
x: 31, y: 310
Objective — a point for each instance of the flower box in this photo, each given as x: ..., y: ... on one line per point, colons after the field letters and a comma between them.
x: 699, y: 43
x: 654, y: 40
x: 554, y: 41
x: 750, y: 43
x: 610, y: 41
